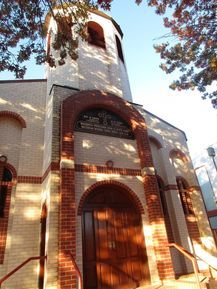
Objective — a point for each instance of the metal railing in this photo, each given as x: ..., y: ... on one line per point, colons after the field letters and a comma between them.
x: 20, y: 266
x: 192, y: 258
x: 78, y: 273
x: 209, y: 266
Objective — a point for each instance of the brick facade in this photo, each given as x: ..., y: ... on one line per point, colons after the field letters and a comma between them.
x: 54, y: 165
x: 71, y: 109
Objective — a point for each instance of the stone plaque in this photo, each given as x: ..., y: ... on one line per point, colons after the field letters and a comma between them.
x: 103, y: 122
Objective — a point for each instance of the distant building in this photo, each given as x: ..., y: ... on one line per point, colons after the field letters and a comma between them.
x: 86, y: 171
x: 206, y: 170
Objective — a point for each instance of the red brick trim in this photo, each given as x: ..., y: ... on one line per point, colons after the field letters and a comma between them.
x: 155, y: 141
x: 13, y: 171
x: 114, y: 184
x: 5, y: 219
x: 23, y: 80
x: 70, y: 110
x: 176, y: 153
x: 194, y: 188
x: 105, y: 170
x: 212, y: 213
x: 171, y: 187
x: 14, y: 115
x: 29, y: 180
x: 78, y: 168
x: 54, y: 166
x: 191, y: 220
x: 67, y: 231
x: 156, y: 218
x: 84, y: 100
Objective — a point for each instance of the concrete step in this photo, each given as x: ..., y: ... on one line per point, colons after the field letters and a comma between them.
x: 184, y: 282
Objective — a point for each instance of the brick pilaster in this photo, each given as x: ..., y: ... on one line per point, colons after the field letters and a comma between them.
x: 156, y: 218
x: 67, y: 233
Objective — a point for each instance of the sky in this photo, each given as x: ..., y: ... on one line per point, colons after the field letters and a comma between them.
x: 149, y: 84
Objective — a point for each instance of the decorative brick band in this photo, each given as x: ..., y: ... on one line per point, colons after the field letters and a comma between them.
x: 8, y: 184
x: 114, y: 184
x: 54, y: 166
x: 14, y: 115
x: 29, y: 180
x: 194, y: 188
x: 171, y: 187
x: 212, y: 213
x: 105, y: 170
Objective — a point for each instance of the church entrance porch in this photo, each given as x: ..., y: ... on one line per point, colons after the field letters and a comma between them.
x: 114, y: 255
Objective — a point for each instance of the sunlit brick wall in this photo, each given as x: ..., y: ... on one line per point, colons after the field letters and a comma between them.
x: 96, y: 67
x: 97, y: 150
x: 28, y: 100
x: 11, y: 134
x: 23, y: 236
x: 172, y: 138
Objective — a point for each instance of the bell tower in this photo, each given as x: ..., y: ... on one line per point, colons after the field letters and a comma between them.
x: 100, y: 64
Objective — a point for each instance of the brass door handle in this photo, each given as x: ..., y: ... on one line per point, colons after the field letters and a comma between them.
x: 111, y: 245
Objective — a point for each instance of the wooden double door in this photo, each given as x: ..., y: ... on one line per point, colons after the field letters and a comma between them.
x: 114, y: 254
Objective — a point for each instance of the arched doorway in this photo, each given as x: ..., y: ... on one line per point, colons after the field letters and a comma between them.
x: 114, y: 255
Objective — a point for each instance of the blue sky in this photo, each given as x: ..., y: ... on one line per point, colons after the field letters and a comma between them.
x: 149, y: 84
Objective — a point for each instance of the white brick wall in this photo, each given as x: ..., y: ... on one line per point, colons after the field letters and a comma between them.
x: 95, y: 68
x: 23, y: 237
x: 51, y: 196
x: 11, y: 134
x: 98, y: 149
x: 28, y: 100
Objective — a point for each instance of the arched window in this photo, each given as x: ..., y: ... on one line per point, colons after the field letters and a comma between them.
x: 184, y: 195
x: 177, y: 154
x: 95, y: 34
x: 6, y: 177
x: 119, y: 48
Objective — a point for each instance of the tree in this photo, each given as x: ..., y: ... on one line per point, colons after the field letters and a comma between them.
x: 191, y: 48
x: 23, y: 30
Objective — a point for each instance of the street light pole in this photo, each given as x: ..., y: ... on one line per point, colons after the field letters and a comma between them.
x: 211, y: 153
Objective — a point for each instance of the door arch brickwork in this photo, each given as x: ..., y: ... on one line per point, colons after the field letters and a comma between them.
x: 117, y: 184
x: 70, y: 110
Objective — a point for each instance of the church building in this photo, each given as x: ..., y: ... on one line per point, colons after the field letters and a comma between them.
x: 91, y: 182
